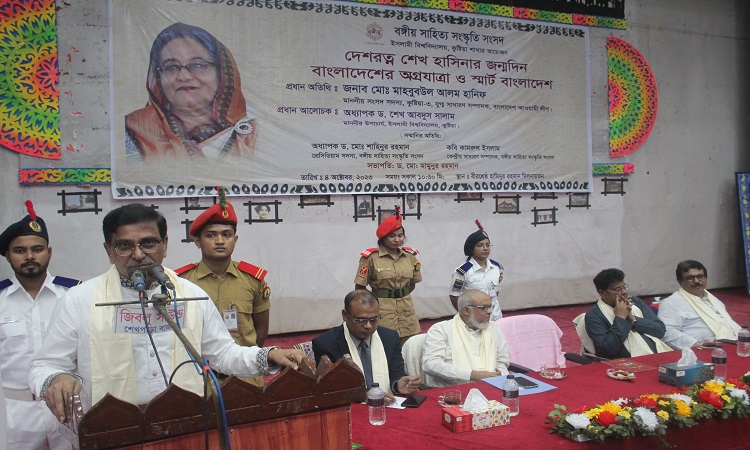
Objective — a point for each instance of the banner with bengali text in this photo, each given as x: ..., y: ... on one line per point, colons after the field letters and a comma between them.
x: 291, y: 98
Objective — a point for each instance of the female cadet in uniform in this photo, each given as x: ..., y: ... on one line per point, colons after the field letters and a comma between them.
x: 478, y: 272
x: 392, y: 271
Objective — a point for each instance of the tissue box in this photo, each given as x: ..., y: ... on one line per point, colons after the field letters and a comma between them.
x: 458, y: 420
x: 675, y: 375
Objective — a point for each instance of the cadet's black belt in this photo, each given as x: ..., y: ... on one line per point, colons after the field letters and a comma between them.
x: 391, y: 293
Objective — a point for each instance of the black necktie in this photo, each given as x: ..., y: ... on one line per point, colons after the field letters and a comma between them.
x: 364, y: 356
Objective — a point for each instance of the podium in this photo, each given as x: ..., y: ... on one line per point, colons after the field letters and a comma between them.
x: 305, y: 409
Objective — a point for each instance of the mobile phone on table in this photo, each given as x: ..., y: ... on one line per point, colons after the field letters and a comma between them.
x: 413, y: 401
x: 525, y: 383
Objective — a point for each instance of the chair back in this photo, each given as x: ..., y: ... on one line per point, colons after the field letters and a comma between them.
x: 587, y: 345
x: 533, y: 340
x: 412, y: 353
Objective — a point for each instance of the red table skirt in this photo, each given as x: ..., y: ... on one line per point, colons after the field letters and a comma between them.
x: 421, y: 428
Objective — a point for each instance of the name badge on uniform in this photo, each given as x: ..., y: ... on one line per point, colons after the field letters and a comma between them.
x: 230, y: 318
x: 131, y: 319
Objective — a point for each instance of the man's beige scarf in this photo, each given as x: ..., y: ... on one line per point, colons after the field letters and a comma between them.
x: 112, y: 361
x: 722, y: 329
x: 377, y: 359
x: 635, y: 344
x: 465, y: 351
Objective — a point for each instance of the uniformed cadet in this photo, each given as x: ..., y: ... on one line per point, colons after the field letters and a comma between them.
x: 237, y: 289
x: 478, y: 272
x: 392, y: 271
x: 27, y: 301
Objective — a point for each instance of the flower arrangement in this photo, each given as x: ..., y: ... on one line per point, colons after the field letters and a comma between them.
x: 652, y: 414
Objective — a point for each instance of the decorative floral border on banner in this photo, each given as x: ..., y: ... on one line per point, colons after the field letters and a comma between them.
x: 633, y: 98
x: 507, y: 11
x: 29, y: 99
x: 64, y: 176
x: 652, y: 414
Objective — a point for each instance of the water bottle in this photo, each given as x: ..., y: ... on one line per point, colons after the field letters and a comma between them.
x: 743, y: 342
x: 376, y: 405
x: 719, y: 358
x: 510, y: 395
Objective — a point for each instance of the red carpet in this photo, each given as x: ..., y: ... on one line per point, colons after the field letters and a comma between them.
x: 736, y: 300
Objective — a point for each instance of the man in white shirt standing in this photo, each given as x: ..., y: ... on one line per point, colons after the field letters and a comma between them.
x: 86, y: 351
x: 691, y: 313
x: 468, y: 347
x: 26, y: 303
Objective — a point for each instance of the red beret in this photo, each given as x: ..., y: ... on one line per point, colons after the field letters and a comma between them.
x: 388, y: 226
x: 214, y: 214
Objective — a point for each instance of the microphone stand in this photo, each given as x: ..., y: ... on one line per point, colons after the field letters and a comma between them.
x: 160, y: 303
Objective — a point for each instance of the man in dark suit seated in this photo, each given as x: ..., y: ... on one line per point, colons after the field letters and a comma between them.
x: 377, y: 351
x: 618, y: 325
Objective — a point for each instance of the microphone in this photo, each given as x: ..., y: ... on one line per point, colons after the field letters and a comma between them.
x: 139, y: 280
x: 158, y: 273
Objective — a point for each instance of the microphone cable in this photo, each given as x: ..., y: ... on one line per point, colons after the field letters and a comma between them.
x: 209, y: 376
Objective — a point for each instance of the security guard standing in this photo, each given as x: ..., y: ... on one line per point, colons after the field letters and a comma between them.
x: 392, y: 271
x: 237, y: 289
x: 27, y: 301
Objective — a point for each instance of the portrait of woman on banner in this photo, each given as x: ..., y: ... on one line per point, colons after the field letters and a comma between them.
x: 196, y: 107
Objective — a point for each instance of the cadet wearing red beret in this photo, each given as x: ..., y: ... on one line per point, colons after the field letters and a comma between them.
x: 392, y: 271
x: 237, y: 289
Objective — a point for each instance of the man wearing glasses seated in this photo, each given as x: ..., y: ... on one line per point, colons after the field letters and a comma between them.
x: 468, y: 347
x: 618, y: 326
x: 692, y: 315
x: 376, y: 350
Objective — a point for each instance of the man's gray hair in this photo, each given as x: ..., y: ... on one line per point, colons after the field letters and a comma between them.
x: 466, y: 298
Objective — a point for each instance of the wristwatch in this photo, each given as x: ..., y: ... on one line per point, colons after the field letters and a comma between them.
x: 634, y: 321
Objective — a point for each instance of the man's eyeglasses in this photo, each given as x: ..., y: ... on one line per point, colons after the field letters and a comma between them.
x: 127, y: 248
x: 700, y: 277
x: 194, y: 68
x: 619, y: 290
x: 363, y: 320
x: 484, y: 308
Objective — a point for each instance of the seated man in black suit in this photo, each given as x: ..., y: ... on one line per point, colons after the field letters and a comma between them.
x: 377, y: 351
x: 621, y: 326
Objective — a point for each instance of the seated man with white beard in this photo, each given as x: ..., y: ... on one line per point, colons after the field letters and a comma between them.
x: 467, y: 347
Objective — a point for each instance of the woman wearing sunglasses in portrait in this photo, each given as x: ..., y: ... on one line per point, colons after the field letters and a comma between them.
x: 479, y: 271
x: 195, y: 103
x: 392, y: 271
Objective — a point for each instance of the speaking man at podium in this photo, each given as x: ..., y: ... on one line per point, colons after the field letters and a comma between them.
x: 86, y: 351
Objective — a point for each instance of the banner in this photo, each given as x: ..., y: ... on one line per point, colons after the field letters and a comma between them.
x: 274, y: 98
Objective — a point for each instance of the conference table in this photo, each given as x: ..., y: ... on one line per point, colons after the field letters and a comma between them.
x: 421, y: 428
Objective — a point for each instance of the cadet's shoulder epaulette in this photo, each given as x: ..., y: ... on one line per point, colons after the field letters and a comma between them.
x: 184, y: 269
x: 499, y: 266
x: 65, y: 282
x: 464, y: 267
x: 253, y: 271
x: 6, y: 283
x: 369, y: 252
x: 413, y: 251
